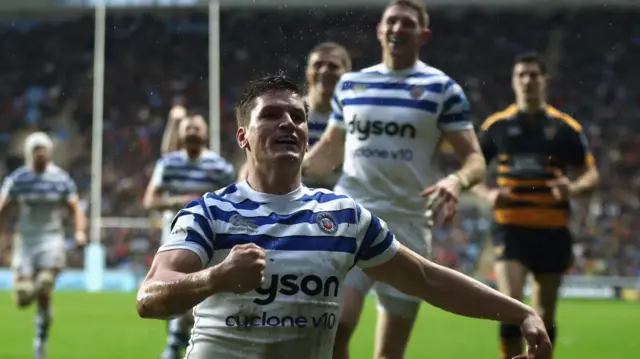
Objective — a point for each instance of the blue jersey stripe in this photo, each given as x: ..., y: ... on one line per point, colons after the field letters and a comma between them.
x: 316, y: 126
x: 170, y: 177
x: 434, y: 87
x: 377, y: 249
x: 194, y: 237
x: 456, y: 117
x: 305, y: 216
x: 450, y: 102
x: 321, y: 197
x: 289, y: 243
x: 424, y: 105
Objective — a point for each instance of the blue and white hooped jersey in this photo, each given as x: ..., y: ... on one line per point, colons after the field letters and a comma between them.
x: 42, y: 199
x: 176, y: 174
x: 312, y: 238
x: 393, y: 121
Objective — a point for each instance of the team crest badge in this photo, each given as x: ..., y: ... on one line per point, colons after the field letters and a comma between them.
x: 417, y: 91
x: 359, y: 87
x: 326, y: 223
x: 550, y: 132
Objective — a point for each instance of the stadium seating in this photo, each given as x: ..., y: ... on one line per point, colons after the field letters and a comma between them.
x: 156, y: 61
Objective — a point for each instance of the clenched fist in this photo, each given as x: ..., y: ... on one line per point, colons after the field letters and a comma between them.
x: 243, y: 269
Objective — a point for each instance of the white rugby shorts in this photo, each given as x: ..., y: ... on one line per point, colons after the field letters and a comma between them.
x: 414, y: 235
x: 44, y: 252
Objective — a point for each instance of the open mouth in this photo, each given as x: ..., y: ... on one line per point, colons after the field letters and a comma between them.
x: 398, y: 40
x: 287, y: 140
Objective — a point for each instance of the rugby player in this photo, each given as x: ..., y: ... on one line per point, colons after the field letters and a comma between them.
x: 325, y: 64
x: 264, y: 260
x: 387, y: 122
x: 180, y: 177
x: 535, y: 145
x: 41, y: 192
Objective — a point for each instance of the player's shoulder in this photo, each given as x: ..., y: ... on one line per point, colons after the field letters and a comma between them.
x: 172, y: 157
x: 497, y: 117
x: 20, y: 174
x: 58, y: 172
x: 564, y: 118
x: 213, y: 157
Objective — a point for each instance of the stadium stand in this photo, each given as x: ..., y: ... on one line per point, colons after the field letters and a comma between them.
x: 156, y: 61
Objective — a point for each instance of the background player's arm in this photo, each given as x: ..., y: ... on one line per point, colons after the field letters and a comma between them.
x: 458, y: 130
x: 153, y: 199
x: 79, y: 218
x: 328, y: 153
x: 7, y: 201
x: 383, y: 258
x: 583, y: 161
x: 170, y: 135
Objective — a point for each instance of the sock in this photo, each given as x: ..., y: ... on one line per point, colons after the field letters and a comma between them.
x: 178, y: 334
x: 43, y: 321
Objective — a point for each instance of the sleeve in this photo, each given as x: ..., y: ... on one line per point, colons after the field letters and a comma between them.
x: 8, y: 189
x: 579, y: 152
x: 487, y: 143
x: 454, y: 115
x: 192, y: 230
x: 376, y: 244
x: 337, y: 117
x: 71, y: 189
x: 157, y: 178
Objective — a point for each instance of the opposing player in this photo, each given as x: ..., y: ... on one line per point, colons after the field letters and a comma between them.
x: 535, y: 145
x: 326, y: 63
x: 265, y: 260
x: 180, y: 177
x: 40, y: 191
x: 387, y: 122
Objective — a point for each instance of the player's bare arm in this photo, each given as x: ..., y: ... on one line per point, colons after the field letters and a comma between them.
x: 327, y: 154
x: 79, y: 220
x: 7, y: 206
x: 466, y: 146
x: 462, y: 295
x: 585, y: 183
x: 170, y: 135
x: 176, y: 281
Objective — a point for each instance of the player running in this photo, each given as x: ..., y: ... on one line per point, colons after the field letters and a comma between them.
x: 386, y: 125
x: 325, y: 64
x: 265, y: 259
x: 180, y: 177
x: 535, y: 145
x: 40, y: 191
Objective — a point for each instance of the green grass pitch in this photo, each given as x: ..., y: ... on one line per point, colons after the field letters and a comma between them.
x: 105, y: 326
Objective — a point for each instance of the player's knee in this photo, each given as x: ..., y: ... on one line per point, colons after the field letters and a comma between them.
x: 45, y: 280
x: 23, y: 292
x: 510, y: 331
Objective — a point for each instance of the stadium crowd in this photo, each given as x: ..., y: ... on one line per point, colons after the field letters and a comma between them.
x: 155, y: 62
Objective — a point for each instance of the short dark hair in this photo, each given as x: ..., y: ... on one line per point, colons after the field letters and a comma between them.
x: 532, y: 58
x: 259, y: 87
x: 336, y: 48
x: 418, y: 6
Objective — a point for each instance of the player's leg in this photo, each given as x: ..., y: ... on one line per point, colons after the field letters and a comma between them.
x: 179, y: 330
x: 23, y: 284
x: 49, y: 260
x: 397, y: 311
x: 554, y: 258
x: 511, y: 274
x: 355, y: 288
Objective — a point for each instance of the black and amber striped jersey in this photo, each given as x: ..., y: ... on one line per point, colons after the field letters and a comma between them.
x: 530, y: 149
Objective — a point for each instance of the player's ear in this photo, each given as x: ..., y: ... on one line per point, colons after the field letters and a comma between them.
x: 426, y: 35
x: 241, y: 138
x: 379, y: 31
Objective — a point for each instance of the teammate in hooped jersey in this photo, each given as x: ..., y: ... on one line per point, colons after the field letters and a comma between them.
x: 178, y: 178
x: 264, y: 260
x: 325, y: 64
x: 41, y: 192
x: 386, y: 124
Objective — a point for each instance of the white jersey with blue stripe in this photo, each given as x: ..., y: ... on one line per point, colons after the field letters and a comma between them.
x: 176, y: 174
x: 312, y: 238
x: 42, y: 199
x: 393, y: 121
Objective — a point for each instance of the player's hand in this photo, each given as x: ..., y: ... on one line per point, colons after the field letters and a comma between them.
x: 446, y: 195
x: 177, y: 113
x: 81, y: 238
x: 243, y: 268
x: 535, y: 334
x: 560, y: 186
